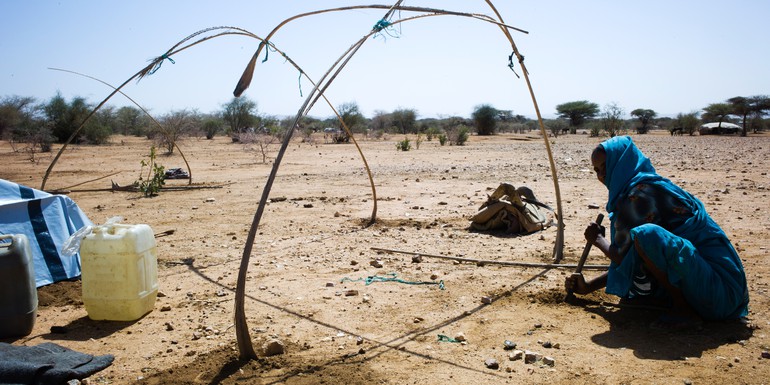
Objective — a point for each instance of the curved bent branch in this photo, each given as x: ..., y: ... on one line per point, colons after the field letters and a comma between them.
x: 189, y: 182
x: 558, y: 250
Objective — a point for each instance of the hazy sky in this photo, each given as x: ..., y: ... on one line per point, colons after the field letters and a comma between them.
x: 669, y: 56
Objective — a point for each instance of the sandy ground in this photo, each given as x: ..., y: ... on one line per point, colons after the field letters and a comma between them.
x: 311, y: 248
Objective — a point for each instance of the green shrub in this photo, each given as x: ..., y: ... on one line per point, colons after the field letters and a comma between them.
x: 156, y: 176
x: 442, y: 139
x: 404, y: 145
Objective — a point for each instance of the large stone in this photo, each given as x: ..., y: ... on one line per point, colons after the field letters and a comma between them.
x: 273, y: 347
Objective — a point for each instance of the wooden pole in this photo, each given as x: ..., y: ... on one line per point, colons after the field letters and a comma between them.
x: 489, y: 262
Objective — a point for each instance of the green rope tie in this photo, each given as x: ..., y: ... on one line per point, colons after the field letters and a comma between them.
x: 510, y: 64
x: 391, y: 277
x: 380, y: 25
x: 299, y: 80
x: 160, y: 62
x: 267, y: 49
x: 443, y: 338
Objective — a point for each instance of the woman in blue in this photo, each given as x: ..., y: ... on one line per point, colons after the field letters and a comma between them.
x: 663, y: 245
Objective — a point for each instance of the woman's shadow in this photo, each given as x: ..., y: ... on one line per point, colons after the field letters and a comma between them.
x: 630, y: 329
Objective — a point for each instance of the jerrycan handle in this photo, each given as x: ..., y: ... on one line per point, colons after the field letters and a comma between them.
x: 4, y: 237
x: 72, y: 245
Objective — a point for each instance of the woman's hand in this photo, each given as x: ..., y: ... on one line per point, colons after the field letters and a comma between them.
x: 576, y: 283
x: 593, y: 232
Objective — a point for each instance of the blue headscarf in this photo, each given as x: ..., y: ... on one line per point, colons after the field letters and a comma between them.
x: 627, y: 166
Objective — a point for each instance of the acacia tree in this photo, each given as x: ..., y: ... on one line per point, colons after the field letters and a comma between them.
x: 612, y: 119
x: 353, y: 119
x: 485, y: 119
x: 645, y: 117
x: 577, y: 113
x: 717, y: 112
x: 404, y: 119
x: 173, y: 127
x: 745, y: 107
x: 240, y: 114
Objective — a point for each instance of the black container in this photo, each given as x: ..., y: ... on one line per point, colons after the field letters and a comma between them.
x: 18, y: 292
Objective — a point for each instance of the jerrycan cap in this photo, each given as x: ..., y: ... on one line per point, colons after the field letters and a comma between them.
x: 72, y: 245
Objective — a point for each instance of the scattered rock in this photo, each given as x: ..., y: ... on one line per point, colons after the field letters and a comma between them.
x: 351, y: 293
x: 376, y: 263
x: 308, y: 205
x: 433, y: 277
x: 221, y: 293
x: 486, y: 300
x: 165, y: 308
x: 169, y: 326
x: 190, y: 353
x: 460, y: 337
x: 547, y: 344
x: 516, y: 355
x: 161, y: 294
x: 359, y: 340
x: 273, y: 347
x: 765, y: 354
x: 416, y: 258
x: 509, y: 345
x: 353, y: 263
x: 329, y: 284
x: 593, y: 206
x: 210, y: 200
x: 531, y: 357
x: 492, y: 363
x: 549, y: 361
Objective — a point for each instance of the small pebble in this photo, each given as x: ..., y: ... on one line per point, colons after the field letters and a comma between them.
x: 486, y: 300
x: 416, y: 258
x: 165, y: 308
x: 547, y: 344
x: 351, y: 293
x: 509, y: 345
x: 329, y: 284
x: 460, y: 337
x: 549, y: 361
x: 765, y: 354
x: 376, y: 263
x: 492, y: 363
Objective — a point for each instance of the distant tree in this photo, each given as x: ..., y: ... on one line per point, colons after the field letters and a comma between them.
x: 688, y: 123
x: 645, y: 117
x: 556, y: 126
x: 239, y: 115
x: 485, y: 119
x: 717, y: 112
x: 13, y: 110
x: 353, y: 118
x: 173, y: 127
x: 100, y: 127
x: 577, y: 112
x: 211, y: 126
x: 64, y: 118
x: 744, y: 108
x: 404, y: 119
x: 381, y: 121
x: 129, y: 121
x: 612, y: 119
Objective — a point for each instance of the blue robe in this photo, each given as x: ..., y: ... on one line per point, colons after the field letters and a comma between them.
x: 675, y: 233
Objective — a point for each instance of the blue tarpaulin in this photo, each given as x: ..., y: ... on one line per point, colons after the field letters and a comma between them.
x: 47, y: 220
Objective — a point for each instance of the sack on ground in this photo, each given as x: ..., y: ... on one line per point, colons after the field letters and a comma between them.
x: 514, y: 210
